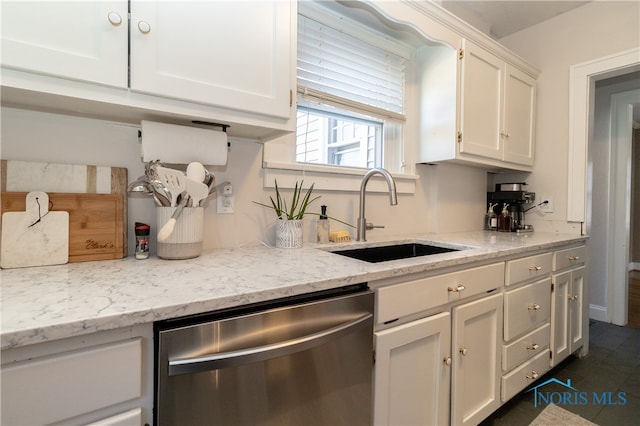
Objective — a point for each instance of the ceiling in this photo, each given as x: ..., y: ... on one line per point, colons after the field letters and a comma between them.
x: 501, y: 18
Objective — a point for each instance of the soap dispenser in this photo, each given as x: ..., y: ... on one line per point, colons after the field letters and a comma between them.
x: 490, y: 219
x: 504, y: 220
x: 323, y: 226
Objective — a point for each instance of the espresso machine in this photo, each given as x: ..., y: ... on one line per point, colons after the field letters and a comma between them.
x: 515, y: 200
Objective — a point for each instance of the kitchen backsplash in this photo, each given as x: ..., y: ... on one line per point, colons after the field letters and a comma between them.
x: 447, y: 198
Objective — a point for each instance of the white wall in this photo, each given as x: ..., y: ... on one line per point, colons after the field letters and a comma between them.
x: 447, y: 198
x: 597, y: 29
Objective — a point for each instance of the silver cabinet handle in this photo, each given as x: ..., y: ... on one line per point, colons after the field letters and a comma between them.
x: 458, y: 288
x: 574, y: 257
x: 144, y: 27
x: 505, y: 134
x: 534, y: 307
x: 535, y: 268
x: 114, y: 18
x: 463, y: 351
x: 533, y: 375
x: 447, y: 361
x: 533, y: 347
x: 573, y: 298
x: 261, y: 353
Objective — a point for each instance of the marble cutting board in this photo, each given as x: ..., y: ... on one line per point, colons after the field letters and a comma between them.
x: 36, y: 236
x: 26, y: 176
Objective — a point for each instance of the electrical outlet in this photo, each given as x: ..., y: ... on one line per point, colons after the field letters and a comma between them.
x: 548, y: 207
x: 224, y: 200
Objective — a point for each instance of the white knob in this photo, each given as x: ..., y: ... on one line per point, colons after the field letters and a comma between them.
x: 114, y: 18
x: 534, y: 307
x: 533, y: 347
x: 447, y: 361
x: 463, y: 351
x: 458, y: 288
x: 144, y: 27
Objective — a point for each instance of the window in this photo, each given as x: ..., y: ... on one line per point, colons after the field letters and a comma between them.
x: 350, y: 91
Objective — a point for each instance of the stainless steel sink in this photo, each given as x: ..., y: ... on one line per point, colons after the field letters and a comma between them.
x: 394, y: 252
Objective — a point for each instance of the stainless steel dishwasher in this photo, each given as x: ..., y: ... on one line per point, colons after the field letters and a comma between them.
x: 298, y: 361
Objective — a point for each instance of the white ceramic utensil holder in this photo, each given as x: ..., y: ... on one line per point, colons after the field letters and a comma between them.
x: 186, y: 240
x: 288, y: 233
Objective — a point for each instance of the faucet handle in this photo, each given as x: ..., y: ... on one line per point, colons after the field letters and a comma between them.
x: 370, y: 226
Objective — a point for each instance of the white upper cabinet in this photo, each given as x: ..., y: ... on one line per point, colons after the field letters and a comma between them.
x: 481, y: 94
x: 80, y: 40
x: 497, y: 105
x: 519, y: 117
x: 224, y: 53
x: 228, y: 62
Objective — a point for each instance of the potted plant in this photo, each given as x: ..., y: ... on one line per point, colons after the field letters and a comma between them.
x: 290, y: 215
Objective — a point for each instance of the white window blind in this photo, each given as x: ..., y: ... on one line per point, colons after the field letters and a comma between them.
x: 341, y: 70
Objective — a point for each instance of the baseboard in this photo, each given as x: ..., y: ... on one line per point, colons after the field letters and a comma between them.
x: 598, y: 313
x: 634, y: 266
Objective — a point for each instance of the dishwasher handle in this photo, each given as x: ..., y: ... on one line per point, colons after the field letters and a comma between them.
x: 261, y: 353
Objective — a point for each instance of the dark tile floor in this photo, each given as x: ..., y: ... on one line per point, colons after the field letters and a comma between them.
x: 612, y: 368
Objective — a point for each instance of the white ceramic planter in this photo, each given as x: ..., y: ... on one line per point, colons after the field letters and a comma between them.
x: 289, y: 233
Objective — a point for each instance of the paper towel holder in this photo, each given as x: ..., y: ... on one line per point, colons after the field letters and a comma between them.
x: 209, y: 123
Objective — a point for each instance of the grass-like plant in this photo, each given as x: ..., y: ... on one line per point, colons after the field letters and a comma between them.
x: 297, y: 208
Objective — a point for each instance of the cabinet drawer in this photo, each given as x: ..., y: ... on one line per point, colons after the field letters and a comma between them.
x: 411, y: 297
x: 570, y: 257
x: 70, y: 384
x: 527, y: 268
x: 526, y: 307
x: 526, y: 347
x: 524, y: 375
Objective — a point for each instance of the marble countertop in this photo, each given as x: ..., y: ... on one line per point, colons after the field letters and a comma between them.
x: 53, y: 302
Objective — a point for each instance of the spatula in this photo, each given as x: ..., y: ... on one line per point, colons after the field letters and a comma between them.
x: 174, y: 180
x: 198, y: 191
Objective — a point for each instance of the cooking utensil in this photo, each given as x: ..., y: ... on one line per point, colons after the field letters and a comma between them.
x: 197, y: 191
x: 160, y: 193
x: 196, y: 171
x: 174, y: 180
x: 167, y: 229
x: 210, y: 181
x: 140, y: 188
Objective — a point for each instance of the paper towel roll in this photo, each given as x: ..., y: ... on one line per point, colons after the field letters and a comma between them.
x: 170, y: 143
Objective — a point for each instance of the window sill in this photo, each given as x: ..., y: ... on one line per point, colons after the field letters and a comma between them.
x: 328, y: 178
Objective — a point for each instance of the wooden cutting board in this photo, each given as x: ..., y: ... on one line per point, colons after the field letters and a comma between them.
x: 96, y: 225
x: 36, y: 236
x: 27, y: 176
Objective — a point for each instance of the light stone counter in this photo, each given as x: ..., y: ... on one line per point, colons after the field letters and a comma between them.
x: 53, y: 302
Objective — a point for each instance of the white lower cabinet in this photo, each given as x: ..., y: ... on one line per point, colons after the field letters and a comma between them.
x: 445, y: 367
x: 477, y: 338
x: 412, y: 373
x: 87, y: 380
x: 567, y: 314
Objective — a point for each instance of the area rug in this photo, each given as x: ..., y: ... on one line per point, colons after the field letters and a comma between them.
x: 558, y: 416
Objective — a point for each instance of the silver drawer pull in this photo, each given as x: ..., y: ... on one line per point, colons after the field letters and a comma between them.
x: 535, y: 268
x: 458, y: 289
x: 533, y: 347
x: 573, y: 298
x: 574, y: 257
x: 447, y: 361
x: 533, y: 375
x: 534, y: 307
x: 463, y: 351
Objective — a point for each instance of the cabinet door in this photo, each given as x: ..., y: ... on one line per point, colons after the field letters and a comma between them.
x: 560, y: 348
x: 81, y: 40
x: 576, y: 309
x: 412, y: 373
x: 482, y: 76
x: 226, y: 53
x: 519, y: 113
x: 477, y: 340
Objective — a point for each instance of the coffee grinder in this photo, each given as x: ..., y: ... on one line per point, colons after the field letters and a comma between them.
x: 516, y: 200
